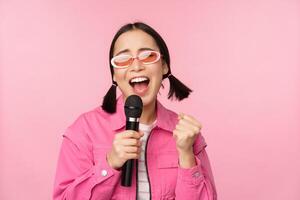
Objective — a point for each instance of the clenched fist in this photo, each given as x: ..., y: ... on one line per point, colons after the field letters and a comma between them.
x: 186, y: 132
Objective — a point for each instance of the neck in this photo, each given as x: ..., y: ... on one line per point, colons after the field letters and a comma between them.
x: 148, y: 115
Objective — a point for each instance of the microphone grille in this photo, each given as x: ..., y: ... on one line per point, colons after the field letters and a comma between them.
x: 133, y: 106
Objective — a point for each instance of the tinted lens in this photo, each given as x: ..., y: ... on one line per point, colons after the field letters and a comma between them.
x: 148, y: 57
x: 122, y: 60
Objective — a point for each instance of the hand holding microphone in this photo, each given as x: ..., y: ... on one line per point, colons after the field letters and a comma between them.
x: 127, y: 145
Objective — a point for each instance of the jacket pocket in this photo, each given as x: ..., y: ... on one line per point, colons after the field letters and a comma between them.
x: 167, y: 160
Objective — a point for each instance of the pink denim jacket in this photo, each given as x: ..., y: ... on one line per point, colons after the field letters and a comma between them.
x: 83, y: 172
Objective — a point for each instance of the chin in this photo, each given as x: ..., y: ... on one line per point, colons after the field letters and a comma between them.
x: 148, y: 100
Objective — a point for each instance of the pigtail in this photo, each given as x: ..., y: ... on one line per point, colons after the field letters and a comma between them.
x: 109, y: 101
x: 177, y: 89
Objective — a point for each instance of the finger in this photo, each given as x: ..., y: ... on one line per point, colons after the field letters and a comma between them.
x: 179, y: 135
x: 184, y: 132
x: 187, y: 125
x: 192, y: 120
x: 129, y: 156
x: 131, y: 142
x: 141, y: 133
x: 181, y: 128
x: 131, y: 134
x: 180, y: 115
x: 131, y: 149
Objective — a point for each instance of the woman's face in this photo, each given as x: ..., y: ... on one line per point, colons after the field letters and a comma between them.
x: 140, y: 79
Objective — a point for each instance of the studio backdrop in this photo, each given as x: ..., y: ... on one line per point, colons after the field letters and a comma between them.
x: 240, y: 58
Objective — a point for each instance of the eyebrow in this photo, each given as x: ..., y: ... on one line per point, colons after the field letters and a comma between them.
x: 141, y: 49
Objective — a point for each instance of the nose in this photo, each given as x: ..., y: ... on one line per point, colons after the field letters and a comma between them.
x: 136, y: 65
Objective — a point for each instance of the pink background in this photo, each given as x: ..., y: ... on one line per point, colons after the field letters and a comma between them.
x: 241, y: 58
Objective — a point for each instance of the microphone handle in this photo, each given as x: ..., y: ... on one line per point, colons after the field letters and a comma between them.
x: 128, y: 165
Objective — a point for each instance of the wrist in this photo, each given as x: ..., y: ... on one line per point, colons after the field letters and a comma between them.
x: 185, y: 152
x: 187, y: 159
x: 110, y: 162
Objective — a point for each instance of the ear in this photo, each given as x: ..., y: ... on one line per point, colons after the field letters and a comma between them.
x: 165, y: 68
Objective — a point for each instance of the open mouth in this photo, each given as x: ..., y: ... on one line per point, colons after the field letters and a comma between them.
x: 139, y: 80
x: 139, y: 84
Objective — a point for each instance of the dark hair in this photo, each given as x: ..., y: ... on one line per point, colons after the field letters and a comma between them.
x: 177, y: 88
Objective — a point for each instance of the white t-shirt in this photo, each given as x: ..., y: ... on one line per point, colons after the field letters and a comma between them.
x: 143, y: 183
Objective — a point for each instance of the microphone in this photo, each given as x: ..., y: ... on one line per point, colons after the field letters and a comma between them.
x: 133, y: 110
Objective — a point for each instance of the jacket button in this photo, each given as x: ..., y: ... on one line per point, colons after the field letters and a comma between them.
x: 196, y: 174
x: 104, y: 172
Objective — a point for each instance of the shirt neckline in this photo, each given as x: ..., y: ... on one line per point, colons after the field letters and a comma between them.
x: 147, y: 126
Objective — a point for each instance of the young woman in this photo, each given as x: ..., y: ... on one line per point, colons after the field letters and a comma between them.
x: 171, y: 161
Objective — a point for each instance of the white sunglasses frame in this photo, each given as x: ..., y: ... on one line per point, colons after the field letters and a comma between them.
x: 136, y: 57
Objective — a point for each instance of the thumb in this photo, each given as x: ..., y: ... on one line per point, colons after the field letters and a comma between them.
x: 180, y: 115
x: 141, y: 133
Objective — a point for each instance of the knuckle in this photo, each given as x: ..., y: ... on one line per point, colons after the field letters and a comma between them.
x: 191, y: 133
x: 128, y: 134
x: 136, y: 142
x: 132, y: 133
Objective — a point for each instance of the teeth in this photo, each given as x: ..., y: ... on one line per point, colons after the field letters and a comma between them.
x: 138, y: 79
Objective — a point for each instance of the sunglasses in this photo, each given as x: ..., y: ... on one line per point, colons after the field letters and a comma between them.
x: 125, y: 60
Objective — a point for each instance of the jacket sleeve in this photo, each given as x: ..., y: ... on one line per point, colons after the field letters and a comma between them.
x: 196, y: 183
x: 77, y: 175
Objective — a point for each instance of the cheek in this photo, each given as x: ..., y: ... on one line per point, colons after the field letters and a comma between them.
x: 157, y: 73
x: 119, y: 75
x: 156, y: 79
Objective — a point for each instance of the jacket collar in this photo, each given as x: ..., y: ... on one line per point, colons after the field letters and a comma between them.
x: 165, y: 119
